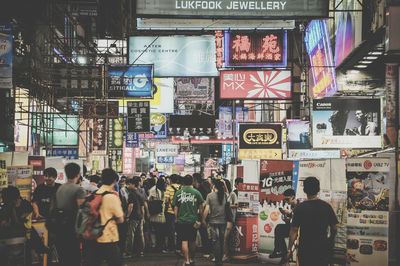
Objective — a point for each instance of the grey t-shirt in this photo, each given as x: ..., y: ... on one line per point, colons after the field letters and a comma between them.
x: 67, y: 195
x: 217, y: 210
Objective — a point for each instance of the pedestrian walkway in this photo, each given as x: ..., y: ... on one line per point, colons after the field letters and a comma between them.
x: 154, y: 259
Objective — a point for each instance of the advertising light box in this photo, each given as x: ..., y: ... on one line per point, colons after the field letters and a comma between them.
x: 347, y: 123
x: 232, y: 8
x: 264, y: 84
x: 266, y: 48
x: 319, y: 50
x: 175, y: 56
x: 130, y: 81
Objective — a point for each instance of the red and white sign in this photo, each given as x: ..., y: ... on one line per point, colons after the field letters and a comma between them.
x: 268, y: 84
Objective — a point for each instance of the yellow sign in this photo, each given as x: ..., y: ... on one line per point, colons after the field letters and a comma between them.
x: 260, y: 136
x: 274, y: 154
x: 3, y: 178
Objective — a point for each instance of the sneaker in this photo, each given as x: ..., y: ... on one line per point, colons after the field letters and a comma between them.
x: 185, y: 264
x: 206, y: 256
x: 213, y: 260
x: 141, y: 254
x: 225, y: 258
x: 164, y: 251
x: 126, y: 256
x: 275, y: 255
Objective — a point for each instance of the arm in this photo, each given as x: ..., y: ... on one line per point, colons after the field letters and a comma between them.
x: 176, y: 212
x: 205, y: 213
x: 130, y: 209
x: 333, y: 232
x: 35, y: 207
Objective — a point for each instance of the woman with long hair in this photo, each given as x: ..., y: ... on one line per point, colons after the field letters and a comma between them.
x: 216, y: 212
x: 157, y: 215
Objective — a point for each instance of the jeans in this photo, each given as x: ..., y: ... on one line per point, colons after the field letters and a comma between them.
x: 281, y: 232
x: 205, y: 240
x: 68, y: 247
x: 217, y: 236
x: 159, y: 230
x: 170, y: 227
x: 109, y: 252
x: 122, y: 232
x: 133, y: 230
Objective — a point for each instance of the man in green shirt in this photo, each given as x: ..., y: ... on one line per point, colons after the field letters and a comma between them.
x: 188, y: 205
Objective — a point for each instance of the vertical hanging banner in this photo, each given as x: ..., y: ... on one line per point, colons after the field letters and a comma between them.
x: 3, y: 178
x: 249, y: 49
x: 368, y: 211
x: 318, y: 45
x: 115, y: 159
x: 6, y: 57
x: 115, y: 133
x: 391, y: 86
x: 99, y: 135
x: 138, y: 116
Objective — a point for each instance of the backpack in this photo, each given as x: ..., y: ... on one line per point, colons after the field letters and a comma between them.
x: 156, y: 205
x: 88, y: 223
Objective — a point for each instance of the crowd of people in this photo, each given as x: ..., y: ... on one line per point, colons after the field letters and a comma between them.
x: 109, y: 217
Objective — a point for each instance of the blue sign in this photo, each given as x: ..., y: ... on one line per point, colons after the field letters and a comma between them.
x: 130, y: 81
x: 132, y: 140
x: 68, y: 153
x: 165, y: 159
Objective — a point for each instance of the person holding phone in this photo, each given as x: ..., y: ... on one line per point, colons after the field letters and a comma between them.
x: 282, y: 230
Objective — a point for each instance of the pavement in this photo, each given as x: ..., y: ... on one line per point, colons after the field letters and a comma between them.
x: 157, y: 259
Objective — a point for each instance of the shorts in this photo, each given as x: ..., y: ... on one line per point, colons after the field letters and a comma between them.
x: 186, y: 232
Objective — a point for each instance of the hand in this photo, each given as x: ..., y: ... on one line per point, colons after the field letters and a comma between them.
x: 289, y: 255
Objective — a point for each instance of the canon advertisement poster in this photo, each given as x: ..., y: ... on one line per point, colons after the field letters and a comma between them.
x: 347, y: 123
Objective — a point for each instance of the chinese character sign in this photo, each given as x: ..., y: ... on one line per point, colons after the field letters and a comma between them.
x: 138, y: 116
x: 264, y: 84
x: 321, y: 60
x: 256, y: 48
x: 131, y: 81
x: 219, y: 46
x: 99, y: 134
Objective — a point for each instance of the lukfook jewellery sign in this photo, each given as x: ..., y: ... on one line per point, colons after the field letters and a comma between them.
x: 233, y: 8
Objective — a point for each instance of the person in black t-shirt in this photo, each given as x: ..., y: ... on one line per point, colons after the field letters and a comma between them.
x: 134, y: 214
x: 313, y: 217
x: 44, y: 194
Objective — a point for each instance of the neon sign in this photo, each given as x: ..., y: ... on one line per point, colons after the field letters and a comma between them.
x: 321, y: 60
x: 266, y: 49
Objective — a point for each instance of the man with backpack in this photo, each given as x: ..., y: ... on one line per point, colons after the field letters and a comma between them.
x: 69, y: 197
x: 169, y: 214
x: 110, y: 214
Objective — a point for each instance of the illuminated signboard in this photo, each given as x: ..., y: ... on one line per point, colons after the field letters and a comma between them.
x: 130, y: 81
x: 264, y: 84
x: 267, y: 48
x: 260, y: 141
x: 175, y: 56
x: 232, y: 8
x: 321, y: 60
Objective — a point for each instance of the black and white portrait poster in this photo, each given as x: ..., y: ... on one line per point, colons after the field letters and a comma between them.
x: 347, y: 123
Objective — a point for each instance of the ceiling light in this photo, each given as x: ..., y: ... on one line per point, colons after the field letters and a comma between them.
x: 353, y: 71
x: 361, y: 66
x: 365, y: 62
x: 375, y: 53
x: 82, y: 60
x: 370, y: 57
